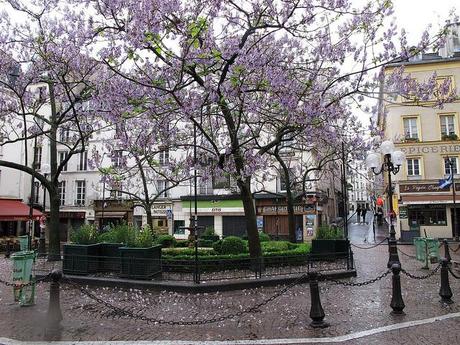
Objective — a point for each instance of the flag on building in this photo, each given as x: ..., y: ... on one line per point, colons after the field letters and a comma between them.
x: 445, y: 183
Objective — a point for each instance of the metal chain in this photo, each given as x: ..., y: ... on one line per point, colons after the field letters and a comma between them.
x: 432, y: 273
x: 408, y: 255
x: 367, y: 282
x: 375, y: 245
x: 21, y: 285
x: 456, y: 250
x: 453, y: 274
x: 137, y: 316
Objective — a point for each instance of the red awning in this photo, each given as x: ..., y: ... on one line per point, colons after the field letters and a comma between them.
x: 15, y: 209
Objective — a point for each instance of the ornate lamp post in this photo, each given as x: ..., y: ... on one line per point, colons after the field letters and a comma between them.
x: 392, y: 161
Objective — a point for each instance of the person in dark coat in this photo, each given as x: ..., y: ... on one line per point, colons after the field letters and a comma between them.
x: 358, y: 213
x: 363, y: 212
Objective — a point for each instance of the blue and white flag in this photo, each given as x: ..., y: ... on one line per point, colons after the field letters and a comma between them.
x: 448, y: 181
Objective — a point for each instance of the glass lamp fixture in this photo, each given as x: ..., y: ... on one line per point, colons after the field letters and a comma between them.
x: 387, y: 147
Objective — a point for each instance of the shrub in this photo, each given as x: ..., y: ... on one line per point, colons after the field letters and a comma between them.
x: 209, y: 231
x: 275, y: 246
x: 217, y: 246
x: 205, y: 243
x: 328, y: 233
x: 233, y: 245
x: 263, y: 237
x: 182, y: 243
x: 117, y: 234
x: 144, y: 238
x: 187, y: 252
x: 86, y: 234
x: 166, y: 241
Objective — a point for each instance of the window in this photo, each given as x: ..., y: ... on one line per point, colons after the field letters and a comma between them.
x: 413, y: 167
x: 447, y: 124
x: 427, y: 216
x: 116, y: 191
x: 164, y: 157
x: 36, y: 191
x: 81, y: 193
x: 62, y: 157
x: 162, y: 185
x: 37, y: 157
x: 64, y: 135
x: 224, y: 181
x: 205, y: 187
x: 287, y: 143
x: 453, y: 161
x: 283, y: 181
x: 117, y: 158
x: 61, y: 191
x: 83, y: 164
x: 410, y: 128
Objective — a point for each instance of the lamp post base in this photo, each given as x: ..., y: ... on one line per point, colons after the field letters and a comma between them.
x: 393, y: 253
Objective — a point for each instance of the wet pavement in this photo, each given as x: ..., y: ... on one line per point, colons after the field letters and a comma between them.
x: 348, y: 309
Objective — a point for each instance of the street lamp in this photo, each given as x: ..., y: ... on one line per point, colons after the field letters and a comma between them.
x: 392, y: 161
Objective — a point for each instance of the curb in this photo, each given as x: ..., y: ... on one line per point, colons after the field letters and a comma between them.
x: 197, y: 288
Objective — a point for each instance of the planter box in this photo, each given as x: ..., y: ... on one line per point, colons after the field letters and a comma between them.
x: 109, y: 257
x: 329, y: 249
x: 140, y: 263
x: 80, y: 259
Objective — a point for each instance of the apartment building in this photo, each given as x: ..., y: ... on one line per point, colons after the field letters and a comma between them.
x: 359, y: 184
x: 429, y: 136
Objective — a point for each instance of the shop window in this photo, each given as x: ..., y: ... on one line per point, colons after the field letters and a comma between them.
x: 427, y: 216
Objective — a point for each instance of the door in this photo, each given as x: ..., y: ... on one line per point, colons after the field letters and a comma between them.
x: 234, y: 226
x: 205, y: 222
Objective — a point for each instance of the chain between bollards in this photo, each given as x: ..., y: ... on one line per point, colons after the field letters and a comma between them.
x: 397, y: 302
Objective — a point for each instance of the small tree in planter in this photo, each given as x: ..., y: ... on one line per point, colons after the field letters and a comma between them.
x: 329, y: 243
x: 81, y: 256
x: 140, y: 259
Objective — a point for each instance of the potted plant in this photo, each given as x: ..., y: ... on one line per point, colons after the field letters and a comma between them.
x: 81, y: 256
x: 449, y: 137
x: 110, y: 242
x: 141, y: 258
x: 329, y: 243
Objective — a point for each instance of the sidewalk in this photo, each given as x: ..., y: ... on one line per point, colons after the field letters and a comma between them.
x: 348, y: 310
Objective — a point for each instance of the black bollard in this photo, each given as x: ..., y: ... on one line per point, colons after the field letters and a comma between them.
x: 54, y: 316
x: 446, y: 251
x: 351, y: 260
x: 316, y: 310
x: 445, y: 291
x: 7, y: 249
x: 397, y: 303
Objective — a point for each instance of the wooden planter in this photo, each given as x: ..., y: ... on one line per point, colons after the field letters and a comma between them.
x: 140, y: 263
x: 329, y: 249
x: 80, y: 259
x: 109, y: 257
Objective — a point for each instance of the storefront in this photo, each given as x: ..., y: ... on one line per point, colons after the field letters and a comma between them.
x: 272, y: 215
x: 113, y: 212
x: 14, y: 215
x: 222, y: 213
x: 161, y: 214
x: 424, y: 208
x: 68, y: 221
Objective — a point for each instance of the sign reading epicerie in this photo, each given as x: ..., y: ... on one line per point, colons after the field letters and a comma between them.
x: 418, y: 150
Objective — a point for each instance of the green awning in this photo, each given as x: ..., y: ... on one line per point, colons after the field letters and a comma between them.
x: 213, y: 204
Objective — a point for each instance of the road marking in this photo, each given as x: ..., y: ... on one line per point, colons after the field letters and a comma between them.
x: 338, y: 339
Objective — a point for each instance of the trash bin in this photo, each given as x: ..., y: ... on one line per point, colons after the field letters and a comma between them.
x: 426, y: 246
x: 24, y: 242
x: 22, y: 274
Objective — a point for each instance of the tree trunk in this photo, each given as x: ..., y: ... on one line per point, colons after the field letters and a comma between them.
x: 291, y: 216
x: 251, y: 220
x: 54, y: 235
x: 148, y: 212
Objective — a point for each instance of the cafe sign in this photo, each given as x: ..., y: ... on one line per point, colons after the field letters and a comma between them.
x: 424, y: 188
x: 282, y: 209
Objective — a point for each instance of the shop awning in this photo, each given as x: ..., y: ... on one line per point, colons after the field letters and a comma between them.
x: 15, y: 209
x: 111, y: 214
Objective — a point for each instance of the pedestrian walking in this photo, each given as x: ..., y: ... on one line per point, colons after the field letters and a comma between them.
x: 363, y: 212
x: 358, y: 214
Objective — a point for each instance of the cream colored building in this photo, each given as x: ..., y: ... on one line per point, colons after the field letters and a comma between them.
x: 428, y: 136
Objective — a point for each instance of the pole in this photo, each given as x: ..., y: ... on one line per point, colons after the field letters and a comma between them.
x: 195, y: 223
x: 392, y: 248
x: 32, y: 197
x: 41, y: 243
x: 344, y: 192
x: 277, y: 220
x: 454, y: 218
x: 103, y: 204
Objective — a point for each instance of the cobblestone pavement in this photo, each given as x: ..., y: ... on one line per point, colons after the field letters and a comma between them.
x: 348, y: 310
